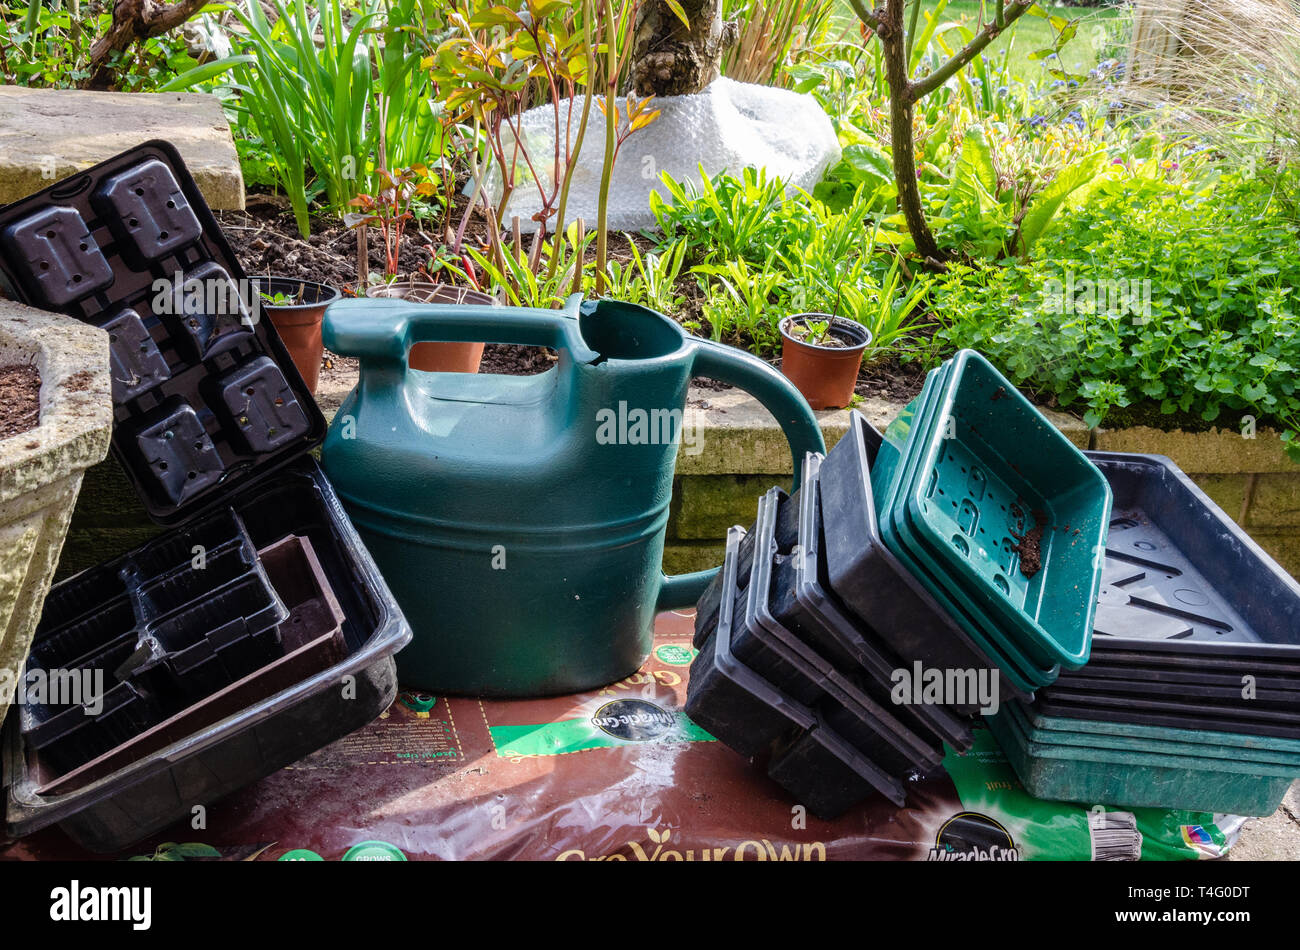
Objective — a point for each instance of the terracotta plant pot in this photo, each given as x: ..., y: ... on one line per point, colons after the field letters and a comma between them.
x: 298, y: 323
x: 438, y: 357
x: 824, y: 374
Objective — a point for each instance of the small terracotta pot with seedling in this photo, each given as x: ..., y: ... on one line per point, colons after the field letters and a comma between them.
x: 821, y: 355
x: 296, y: 308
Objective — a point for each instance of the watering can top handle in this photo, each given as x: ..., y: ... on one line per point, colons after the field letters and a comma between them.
x: 779, y: 396
x: 384, y: 330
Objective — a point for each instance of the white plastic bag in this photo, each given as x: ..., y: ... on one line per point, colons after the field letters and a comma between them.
x: 728, y: 126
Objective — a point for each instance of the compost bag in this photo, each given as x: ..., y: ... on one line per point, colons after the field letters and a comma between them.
x: 621, y: 774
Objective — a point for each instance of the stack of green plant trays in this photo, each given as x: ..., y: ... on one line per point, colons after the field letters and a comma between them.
x: 999, y: 516
x: 1136, y: 766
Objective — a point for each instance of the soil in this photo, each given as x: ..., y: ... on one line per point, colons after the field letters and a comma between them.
x: 1030, y: 547
x: 20, y: 400
x: 265, y: 238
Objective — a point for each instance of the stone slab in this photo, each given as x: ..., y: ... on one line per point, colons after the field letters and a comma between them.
x: 49, y: 134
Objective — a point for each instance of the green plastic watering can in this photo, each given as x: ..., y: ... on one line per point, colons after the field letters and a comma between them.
x: 519, y: 520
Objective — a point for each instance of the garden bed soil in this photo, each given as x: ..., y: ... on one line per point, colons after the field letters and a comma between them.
x: 265, y: 238
x: 20, y: 400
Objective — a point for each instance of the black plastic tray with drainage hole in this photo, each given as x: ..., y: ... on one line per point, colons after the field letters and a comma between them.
x: 145, y: 794
x: 206, y: 396
x: 764, y: 645
x: 1146, y: 712
x: 754, y: 718
x: 1183, y: 583
x: 870, y: 581
x: 802, y: 602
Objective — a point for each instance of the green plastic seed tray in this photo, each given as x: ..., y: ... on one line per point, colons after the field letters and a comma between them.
x: 1190, y: 742
x: 998, y: 488
x: 1141, y: 780
x: 988, y: 634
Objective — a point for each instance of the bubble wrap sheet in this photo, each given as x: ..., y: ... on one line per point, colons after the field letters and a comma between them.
x: 728, y: 126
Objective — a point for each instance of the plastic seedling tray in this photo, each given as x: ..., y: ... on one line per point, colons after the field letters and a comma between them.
x: 752, y: 717
x: 868, y: 578
x: 1184, y: 716
x: 989, y: 467
x: 1130, y: 780
x: 802, y: 603
x: 1038, y: 719
x: 110, y: 809
x: 930, y: 568
x: 761, y: 642
x: 1185, y: 742
x: 1139, y: 685
x: 1183, y: 582
x: 1172, y: 675
x: 206, y: 397
x: 1200, y: 708
x: 1196, y: 662
x: 312, y: 638
x: 706, y: 608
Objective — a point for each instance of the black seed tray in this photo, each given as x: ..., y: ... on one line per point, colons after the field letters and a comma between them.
x: 206, y: 396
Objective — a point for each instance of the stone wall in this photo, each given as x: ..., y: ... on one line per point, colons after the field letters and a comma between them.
x: 744, y: 453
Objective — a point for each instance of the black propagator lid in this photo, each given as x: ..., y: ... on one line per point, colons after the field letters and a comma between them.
x: 206, y: 398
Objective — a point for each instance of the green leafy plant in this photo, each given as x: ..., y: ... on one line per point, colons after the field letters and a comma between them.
x: 171, y: 851
x: 742, y: 309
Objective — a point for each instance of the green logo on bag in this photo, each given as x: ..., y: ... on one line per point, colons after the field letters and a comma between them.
x: 374, y: 851
x: 675, y: 655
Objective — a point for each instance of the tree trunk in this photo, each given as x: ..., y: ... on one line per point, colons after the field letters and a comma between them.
x: 902, y: 105
x: 134, y: 20
x: 670, y: 59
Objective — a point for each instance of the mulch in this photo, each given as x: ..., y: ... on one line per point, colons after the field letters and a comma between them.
x: 20, y: 400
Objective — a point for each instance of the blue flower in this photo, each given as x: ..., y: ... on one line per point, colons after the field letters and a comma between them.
x: 1002, y: 90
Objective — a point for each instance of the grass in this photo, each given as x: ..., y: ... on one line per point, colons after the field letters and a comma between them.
x: 1097, y: 35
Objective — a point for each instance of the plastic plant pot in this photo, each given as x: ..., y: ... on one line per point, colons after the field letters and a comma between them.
x: 761, y: 641
x: 824, y: 374
x: 754, y: 718
x: 991, y: 472
x: 871, y: 581
x: 803, y: 603
x: 438, y: 357
x: 296, y: 308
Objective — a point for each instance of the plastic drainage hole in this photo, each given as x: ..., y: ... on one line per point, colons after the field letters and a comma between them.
x: 134, y: 222
x: 45, y: 265
x: 84, y: 246
x: 249, y: 391
x: 162, y: 235
x: 50, y: 235
x: 1001, y: 584
x: 171, y: 204
x: 960, y: 544
x: 162, y: 466
x: 76, y: 278
x: 279, y: 401
x: 198, y: 446
x: 140, y: 191
x: 192, y: 475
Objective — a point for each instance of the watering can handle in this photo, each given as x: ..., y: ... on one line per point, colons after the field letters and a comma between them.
x: 382, y: 331
x: 779, y: 396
